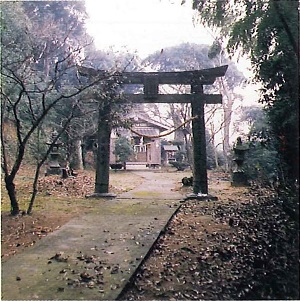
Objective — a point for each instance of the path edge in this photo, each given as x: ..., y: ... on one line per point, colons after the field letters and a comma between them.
x: 132, y: 277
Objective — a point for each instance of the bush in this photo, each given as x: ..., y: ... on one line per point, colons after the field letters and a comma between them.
x: 123, y: 149
x: 261, y: 164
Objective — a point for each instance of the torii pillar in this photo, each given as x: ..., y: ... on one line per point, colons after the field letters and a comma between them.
x: 200, y: 184
x: 103, y: 151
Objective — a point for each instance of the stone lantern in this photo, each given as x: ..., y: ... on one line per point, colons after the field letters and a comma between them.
x: 54, y: 167
x: 239, y: 177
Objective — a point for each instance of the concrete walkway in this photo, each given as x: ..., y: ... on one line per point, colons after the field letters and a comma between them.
x: 93, y: 256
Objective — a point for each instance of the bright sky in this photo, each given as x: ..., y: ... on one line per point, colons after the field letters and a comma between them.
x: 144, y: 26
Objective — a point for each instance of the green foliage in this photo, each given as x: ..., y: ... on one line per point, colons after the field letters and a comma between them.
x: 268, y: 32
x: 214, y: 50
x: 123, y: 149
x: 261, y: 164
x: 39, y: 86
x: 186, y: 56
x: 210, y: 155
x: 68, y: 15
x: 262, y: 158
x: 191, y: 56
x: 181, y: 154
x: 15, y: 26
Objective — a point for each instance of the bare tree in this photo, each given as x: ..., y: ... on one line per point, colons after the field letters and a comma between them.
x: 39, y: 79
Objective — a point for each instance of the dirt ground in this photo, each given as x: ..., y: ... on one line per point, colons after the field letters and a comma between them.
x: 242, y: 246
x: 59, y: 200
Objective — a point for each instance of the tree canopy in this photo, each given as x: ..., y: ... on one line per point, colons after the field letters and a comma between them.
x: 38, y: 74
x: 267, y: 31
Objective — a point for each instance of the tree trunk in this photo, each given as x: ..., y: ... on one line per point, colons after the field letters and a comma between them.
x: 11, y: 189
x: 35, y: 190
x: 227, y: 121
x: 77, y: 158
x: 9, y: 179
x: 189, y: 153
x: 216, y: 158
x: 178, y: 135
x: 212, y: 139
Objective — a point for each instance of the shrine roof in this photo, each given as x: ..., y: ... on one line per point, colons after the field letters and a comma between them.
x: 145, y: 131
x: 170, y: 147
x: 139, y: 117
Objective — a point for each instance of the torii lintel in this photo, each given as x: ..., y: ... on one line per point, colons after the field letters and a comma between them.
x: 199, y: 77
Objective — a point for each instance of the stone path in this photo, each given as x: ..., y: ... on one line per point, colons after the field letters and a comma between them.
x: 93, y: 256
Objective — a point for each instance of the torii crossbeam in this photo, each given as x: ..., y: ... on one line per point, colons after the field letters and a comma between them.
x: 151, y: 81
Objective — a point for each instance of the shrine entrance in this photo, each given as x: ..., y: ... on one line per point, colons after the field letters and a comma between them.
x: 151, y: 81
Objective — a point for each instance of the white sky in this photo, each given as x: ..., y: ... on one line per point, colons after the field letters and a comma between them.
x: 144, y: 26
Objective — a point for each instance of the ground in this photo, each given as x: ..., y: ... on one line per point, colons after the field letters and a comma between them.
x: 243, y: 246
x: 59, y: 200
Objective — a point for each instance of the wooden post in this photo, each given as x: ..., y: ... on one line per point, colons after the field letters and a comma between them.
x: 199, y: 143
x: 103, y: 149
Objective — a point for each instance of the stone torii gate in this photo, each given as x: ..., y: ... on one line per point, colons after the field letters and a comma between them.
x: 151, y: 81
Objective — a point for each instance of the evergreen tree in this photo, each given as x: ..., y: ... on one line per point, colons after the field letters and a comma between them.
x: 267, y: 31
x: 123, y: 149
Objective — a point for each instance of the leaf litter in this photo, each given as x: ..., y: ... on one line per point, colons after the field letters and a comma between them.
x: 242, y: 247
